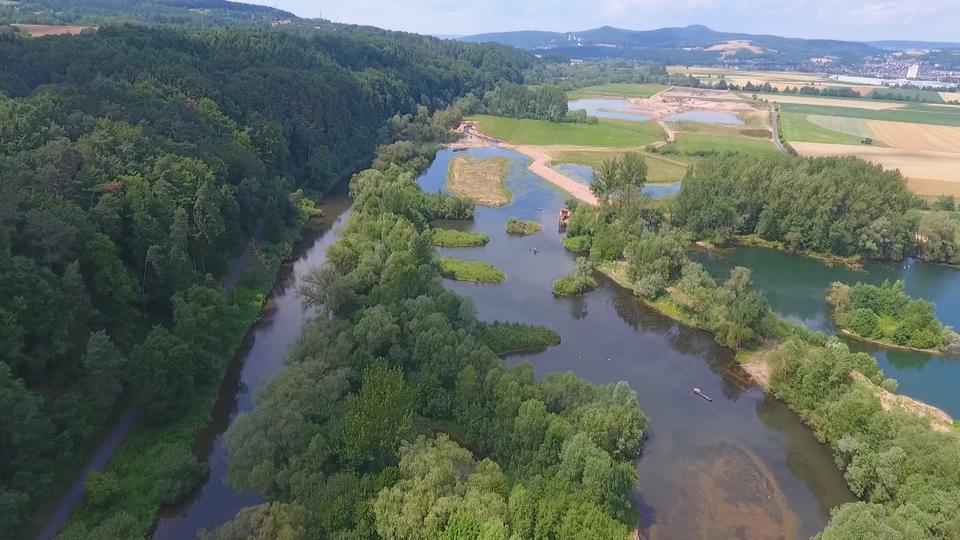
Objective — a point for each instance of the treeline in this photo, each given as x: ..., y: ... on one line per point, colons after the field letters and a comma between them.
x: 134, y: 165
x: 154, y: 12
x: 394, y: 419
x: 590, y: 73
x: 539, y: 103
x: 767, y: 88
x: 840, y: 206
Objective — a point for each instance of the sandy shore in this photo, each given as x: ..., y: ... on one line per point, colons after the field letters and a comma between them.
x: 540, y: 166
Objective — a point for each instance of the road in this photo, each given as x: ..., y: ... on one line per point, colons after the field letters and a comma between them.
x: 74, y: 496
x: 775, y: 128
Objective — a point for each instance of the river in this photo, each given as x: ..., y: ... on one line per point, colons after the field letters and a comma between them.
x: 260, y: 357
x: 796, y: 287
x: 740, y: 466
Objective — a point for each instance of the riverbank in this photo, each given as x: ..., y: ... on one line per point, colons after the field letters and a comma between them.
x: 884, y: 343
x: 140, y: 461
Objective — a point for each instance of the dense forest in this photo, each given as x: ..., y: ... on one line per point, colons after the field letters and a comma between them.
x: 840, y: 206
x: 393, y: 418
x: 135, y: 164
x: 152, y: 12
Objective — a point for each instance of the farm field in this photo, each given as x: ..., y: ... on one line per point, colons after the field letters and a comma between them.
x: 911, y: 114
x: 928, y: 172
x: 660, y: 169
x: 625, y: 90
x: 796, y: 99
x: 798, y: 127
x: 40, y: 30
x: 950, y: 96
x: 606, y: 134
x: 777, y: 79
x: 918, y: 137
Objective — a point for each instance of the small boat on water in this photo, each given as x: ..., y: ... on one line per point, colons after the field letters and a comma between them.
x: 700, y: 393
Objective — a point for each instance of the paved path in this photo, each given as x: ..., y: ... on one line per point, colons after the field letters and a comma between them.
x: 98, y: 461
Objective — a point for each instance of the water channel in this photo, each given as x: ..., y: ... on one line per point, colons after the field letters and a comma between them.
x: 743, y: 466
x: 740, y: 466
x: 260, y: 358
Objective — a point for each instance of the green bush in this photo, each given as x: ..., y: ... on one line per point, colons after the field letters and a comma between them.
x: 577, y: 244
x: 455, y: 238
x: 579, y: 282
x: 864, y: 322
x: 503, y: 337
x: 101, y: 488
x: 650, y: 286
x: 521, y: 227
x: 475, y: 271
x: 182, y: 472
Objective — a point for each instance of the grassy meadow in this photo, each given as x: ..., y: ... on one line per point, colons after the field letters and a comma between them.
x: 797, y: 127
x: 606, y: 134
x: 694, y: 143
x: 919, y: 114
x: 660, y: 169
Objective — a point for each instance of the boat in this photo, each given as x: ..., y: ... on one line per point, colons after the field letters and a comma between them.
x: 700, y: 393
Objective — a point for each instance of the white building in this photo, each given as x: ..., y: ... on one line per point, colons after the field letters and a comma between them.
x: 913, y: 72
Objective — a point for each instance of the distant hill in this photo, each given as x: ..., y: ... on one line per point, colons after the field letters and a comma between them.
x: 153, y: 12
x: 694, y: 43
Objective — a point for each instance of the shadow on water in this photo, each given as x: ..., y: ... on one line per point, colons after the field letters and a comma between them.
x: 261, y: 356
x: 741, y: 466
x: 795, y: 287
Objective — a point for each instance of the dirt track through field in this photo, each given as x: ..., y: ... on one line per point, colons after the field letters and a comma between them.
x: 922, y: 137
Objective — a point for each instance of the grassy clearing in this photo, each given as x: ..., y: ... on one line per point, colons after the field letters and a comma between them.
x: 473, y: 271
x: 505, y: 338
x: 624, y: 90
x: 797, y: 127
x: 454, y: 238
x: 606, y: 134
x: 660, y: 169
x: 480, y: 180
x: 697, y: 144
x: 911, y: 114
x: 519, y: 227
x: 139, y: 463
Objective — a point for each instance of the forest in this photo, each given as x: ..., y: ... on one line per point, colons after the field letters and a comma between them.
x: 838, y: 206
x: 395, y: 419
x: 135, y: 165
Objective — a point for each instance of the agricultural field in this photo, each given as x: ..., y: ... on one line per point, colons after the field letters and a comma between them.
x: 624, y: 90
x: 41, y: 30
x: 798, y: 127
x: 660, y: 168
x: 950, y: 96
x: 914, y: 113
x: 777, y: 79
x: 824, y: 101
x: 606, y: 134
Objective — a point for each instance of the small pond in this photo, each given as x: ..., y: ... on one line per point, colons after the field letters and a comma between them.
x: 613, y: 108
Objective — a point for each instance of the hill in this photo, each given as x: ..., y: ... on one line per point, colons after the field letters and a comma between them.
x: 153, y: 12
x: 689, y: 44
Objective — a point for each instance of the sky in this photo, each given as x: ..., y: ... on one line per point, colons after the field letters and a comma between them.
x: 928, y: 20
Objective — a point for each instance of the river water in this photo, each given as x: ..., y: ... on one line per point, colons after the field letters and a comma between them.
x: 796, y: 287
x: 742, y: 466
x: 260, y: 357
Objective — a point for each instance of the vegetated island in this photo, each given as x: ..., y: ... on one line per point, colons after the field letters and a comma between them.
x: 475, y: 271
x: 886, y: 315
x: 579, y: 282
x: 455, y: 238
x: 480, y: 180
x: 520, y: 227
x: 506, y: 337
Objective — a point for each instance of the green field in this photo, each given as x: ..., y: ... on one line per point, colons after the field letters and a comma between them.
x: 693, y: 143
x: 918, y: 114
x: 606, y: 134
x: 625, y: 90
x: 903, y: 94
x: 660, y: 169
x: 797, y: 127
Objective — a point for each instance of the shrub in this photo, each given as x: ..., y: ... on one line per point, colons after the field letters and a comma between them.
x: 579, y: 282
x: 650, y: 286
x: 181, y: 473
x: 475, y: 271
x: 577, y: 244
x: 521, y: 227
x: 504, y: 337
x: 101, y: 488
x: 864, y: 322
x: 454, y: 238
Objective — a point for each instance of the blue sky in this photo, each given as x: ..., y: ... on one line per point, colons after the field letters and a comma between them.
x: 931, y: 20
